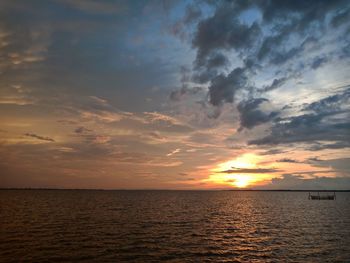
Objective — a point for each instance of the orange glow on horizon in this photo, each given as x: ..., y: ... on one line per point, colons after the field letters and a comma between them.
x: 239, y: 180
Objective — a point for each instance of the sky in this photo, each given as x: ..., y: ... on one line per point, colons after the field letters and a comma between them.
x: 175, y: 94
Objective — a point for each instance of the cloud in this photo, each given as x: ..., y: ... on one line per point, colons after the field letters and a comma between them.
x: 241, y: 50
x: 81, y: 130
x: 318, y: 146
x: 23, y: 46
x: 43, y: 138
x: 272, y: 152
x: 341, y: 18
x: 318, y: 62
x: 163, y: 122
x: 15, y: 101
x: 305, y: 128
x: 250, y: 170
x: 223, y: 88
x: 287, y: 160
x: 339, y: 165
x: 251, y: 115
x: 331, y: 104
x: 297, y: 182
x: 309, y: 17
x: 174, y: 152
x: 327, y: 122
x: 99, y: 109
x: 223, y: 31
x: 17, y: 95
x: 276, y: 83
x: 262, y: 42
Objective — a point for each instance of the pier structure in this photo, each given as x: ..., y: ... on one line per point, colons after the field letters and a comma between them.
x: 322, y: 197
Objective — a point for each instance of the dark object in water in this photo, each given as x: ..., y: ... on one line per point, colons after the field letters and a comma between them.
x: 322, y: 197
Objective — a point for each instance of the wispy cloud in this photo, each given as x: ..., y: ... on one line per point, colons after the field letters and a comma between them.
x: 250, y: 170
x: 173, y: 152
x: 39, y: 137
x: 287, y: 160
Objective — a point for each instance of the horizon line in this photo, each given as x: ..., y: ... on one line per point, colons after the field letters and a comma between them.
x: 150, y: 189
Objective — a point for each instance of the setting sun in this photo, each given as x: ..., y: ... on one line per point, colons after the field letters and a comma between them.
x: 240, y: 172
x: 241, y: 181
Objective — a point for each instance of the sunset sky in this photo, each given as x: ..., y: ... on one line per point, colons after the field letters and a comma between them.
x: 175, y: 94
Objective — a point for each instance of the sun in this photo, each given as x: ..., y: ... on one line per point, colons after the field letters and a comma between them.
x: 241, y: 181
x: 238, y: 180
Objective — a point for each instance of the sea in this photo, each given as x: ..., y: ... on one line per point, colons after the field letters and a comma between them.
x: 172, y: 226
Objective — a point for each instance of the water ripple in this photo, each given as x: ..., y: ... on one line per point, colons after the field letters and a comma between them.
x: 172, y: 226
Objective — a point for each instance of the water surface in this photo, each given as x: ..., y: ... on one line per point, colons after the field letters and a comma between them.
x: 173, y: 226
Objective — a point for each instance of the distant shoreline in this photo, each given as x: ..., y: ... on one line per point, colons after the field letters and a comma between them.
x: 183, y: 190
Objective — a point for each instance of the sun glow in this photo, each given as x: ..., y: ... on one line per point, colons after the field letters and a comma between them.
x: 222, y: 173
x: 241, y: 181
x: 244, y: 161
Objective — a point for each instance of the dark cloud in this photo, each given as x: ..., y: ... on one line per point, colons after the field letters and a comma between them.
x: 318, y: 62
x: 341, y: 18
x: 216, y: 60
x: 81, y: 130
x: 305, y: 128
x: 67, y: 122
x: 251, y: 115
x: 273, y: 49
x: 276, y: 83
x: 340, y: 165
x: 292, y: 27
x: 272, y: 152
x: 185, y: 90
x: 317, y: 146
x: 208, y: 69
x: 310, y: 10
x: 330, y: 104
x: 274, y: 52
x: 43, y: 138
x: 268, y: 45
x: 223, y: 31
x: 327, y: 122
x: 297, y: 182
x: 287, y: 160
x: 223, y: 88
x: 250, y: 170
x: 281, y: 57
